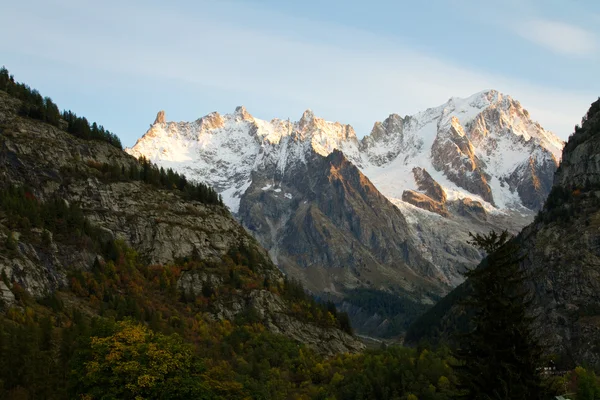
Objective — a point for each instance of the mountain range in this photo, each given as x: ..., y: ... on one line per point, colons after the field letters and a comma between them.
x: 390, y: 212
x: 115, y: 272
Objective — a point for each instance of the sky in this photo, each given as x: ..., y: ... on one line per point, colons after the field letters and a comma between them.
x: 120, y: 62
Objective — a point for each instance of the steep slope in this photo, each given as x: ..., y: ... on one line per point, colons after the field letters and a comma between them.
x: 469, y: 165
x: 337, y: 229
x: 561, y: 258
x: 67, y: 203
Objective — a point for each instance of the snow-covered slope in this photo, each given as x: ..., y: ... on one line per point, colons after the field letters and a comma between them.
x: 223, y: 151
x: 491, y: 132
x: 484, y: 147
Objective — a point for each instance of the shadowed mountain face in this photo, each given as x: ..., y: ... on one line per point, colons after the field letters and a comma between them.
x: 337, y: 231
x: 561, y: 251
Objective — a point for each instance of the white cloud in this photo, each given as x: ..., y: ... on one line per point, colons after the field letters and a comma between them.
x: 559, y: 37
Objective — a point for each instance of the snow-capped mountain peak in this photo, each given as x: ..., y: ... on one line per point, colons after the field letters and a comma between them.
x: 307, y: 117
x: 223, y: 150
x: 473, y: 147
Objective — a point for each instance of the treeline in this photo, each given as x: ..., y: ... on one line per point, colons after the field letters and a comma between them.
x: 100, y: 358
x: 81, y: 128
x: 150, y: 173
x: 34, y: 105
x: 77, y: 357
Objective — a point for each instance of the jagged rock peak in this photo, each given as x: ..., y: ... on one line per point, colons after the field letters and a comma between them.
x: 483, y: 99
x: 475, y: 142
x: 160, y: 118
x: 307, y: 117
x: 307, y: 121
x: 212, y: 121
x: 390, y: 126
x: 241, y: 112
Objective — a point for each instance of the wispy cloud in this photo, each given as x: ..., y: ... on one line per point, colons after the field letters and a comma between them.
x: 559, y: 37
x: 358, y: 78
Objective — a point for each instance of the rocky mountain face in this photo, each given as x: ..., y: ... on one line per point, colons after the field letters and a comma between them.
x: 337, y: 229
x: 561, y: 258
x: 161, y: 225
x: 472, y: 164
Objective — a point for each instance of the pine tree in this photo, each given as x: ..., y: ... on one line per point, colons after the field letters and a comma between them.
x: 500, y: 356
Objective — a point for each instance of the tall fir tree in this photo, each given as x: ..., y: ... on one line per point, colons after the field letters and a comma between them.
x: 499, y: 356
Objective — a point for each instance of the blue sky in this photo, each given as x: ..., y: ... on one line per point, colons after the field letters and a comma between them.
x: 120, y: 62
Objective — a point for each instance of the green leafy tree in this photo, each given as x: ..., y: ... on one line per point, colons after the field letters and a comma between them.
x: 136, y: 363
x: 588, y: 386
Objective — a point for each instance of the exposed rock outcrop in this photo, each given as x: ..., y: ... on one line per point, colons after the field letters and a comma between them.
x: 272, y: 311
x: 533, y: 180
x: 432, y: 198
x: 160, y: 118
x: 425, y: 202
x: 428, y: 185
x: 334, y: 223
x: 389, y: 135
x: 471, y: 208
x: 453, y: 153
x: 6, y: 296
